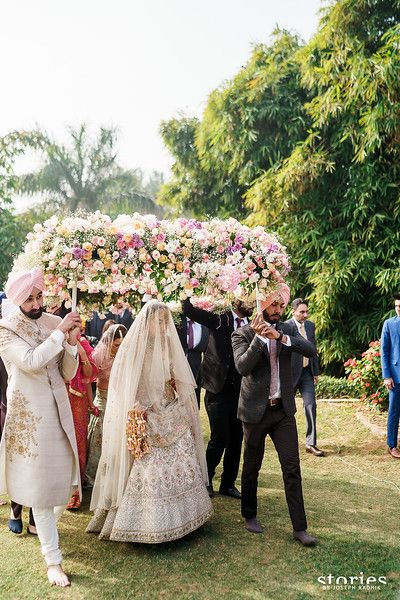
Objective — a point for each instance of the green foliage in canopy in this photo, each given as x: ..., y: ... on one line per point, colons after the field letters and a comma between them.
x: 305, y: 140
x: 11, y: 237
x: 335, y: 198
x: 11, y: 240
x: 190, y: 189
x: 13, y: 145
x: 248, y: 125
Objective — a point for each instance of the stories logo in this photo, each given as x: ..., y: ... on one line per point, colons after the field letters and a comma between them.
x: 361, y: 582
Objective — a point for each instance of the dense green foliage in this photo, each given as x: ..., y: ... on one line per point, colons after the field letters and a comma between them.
x: 249, y: 124
x: 309, y: 137
x: 335, y: 387
x: 11, y: 236
x: 335, y: 199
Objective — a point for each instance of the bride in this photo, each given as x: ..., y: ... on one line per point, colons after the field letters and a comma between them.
x: 151, y: 481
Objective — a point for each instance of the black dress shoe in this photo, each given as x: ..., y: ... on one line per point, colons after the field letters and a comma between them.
x: 232, y: 492
x: 210, y: 490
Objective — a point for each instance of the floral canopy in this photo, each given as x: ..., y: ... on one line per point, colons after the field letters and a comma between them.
x: 139, y: 255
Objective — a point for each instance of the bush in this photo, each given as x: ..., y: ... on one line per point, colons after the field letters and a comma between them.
x: 334, y: 387
x: 366, y: 375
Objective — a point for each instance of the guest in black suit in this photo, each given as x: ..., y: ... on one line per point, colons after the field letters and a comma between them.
x: 262, y: 354
x: 194, y: 340
x: 94, y: 327
x: 305, y: 372
x: 222, y: 384
x: 123, y: 317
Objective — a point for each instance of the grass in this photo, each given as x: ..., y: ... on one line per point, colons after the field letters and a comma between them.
x: 352, y: 499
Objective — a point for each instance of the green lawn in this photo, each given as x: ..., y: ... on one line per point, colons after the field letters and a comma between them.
x: 352, y: 501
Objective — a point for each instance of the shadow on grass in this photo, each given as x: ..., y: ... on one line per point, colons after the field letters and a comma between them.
x: 354, y: 517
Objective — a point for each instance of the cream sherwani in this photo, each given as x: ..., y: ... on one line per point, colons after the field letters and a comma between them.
x: 38, y: 453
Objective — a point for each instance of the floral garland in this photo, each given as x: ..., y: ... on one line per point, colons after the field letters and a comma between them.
x: 140, y: 256
x: 136, y: 434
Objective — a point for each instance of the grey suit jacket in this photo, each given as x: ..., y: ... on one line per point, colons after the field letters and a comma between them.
x: 252, y: 362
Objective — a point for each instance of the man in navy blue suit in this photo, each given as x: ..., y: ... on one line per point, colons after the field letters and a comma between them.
x: 390, y: 358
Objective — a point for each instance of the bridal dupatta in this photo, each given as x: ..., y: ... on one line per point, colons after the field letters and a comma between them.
x: 151, y: 402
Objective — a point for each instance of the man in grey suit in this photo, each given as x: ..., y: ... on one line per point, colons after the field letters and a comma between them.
x: 305, y: 372
x: 262, y: 352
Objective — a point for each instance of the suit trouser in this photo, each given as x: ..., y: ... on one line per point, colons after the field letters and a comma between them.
x: 283, y: 432
x: 393, y: 416
x: 194, y: 360
x: 46, y: 527
x: 17, y: 512
x: 226, y: 433
x: 306, y: 388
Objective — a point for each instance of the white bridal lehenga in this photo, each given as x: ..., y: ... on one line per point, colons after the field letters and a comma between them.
x: 151, y: 482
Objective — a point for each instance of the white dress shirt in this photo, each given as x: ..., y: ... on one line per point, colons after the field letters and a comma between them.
x: 196, y: 333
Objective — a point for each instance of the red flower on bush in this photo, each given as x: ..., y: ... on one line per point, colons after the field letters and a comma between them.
x: 366, y: 376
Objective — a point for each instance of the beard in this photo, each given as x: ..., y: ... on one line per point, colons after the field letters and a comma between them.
x: 271, y: 318
x: 33, y: 314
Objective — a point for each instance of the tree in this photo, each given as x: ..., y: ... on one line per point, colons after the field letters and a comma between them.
x: 86, y: 175
x: 335, y: 197
x: 190, y: 191
x: 248, y: 125
x: 127, y: 194
x: 11, y: 238
x: 153, y: 184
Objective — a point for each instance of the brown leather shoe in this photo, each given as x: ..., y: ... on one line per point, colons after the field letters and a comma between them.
x: 394, y: 452
x: 304, y: 538
x: 314, y: 450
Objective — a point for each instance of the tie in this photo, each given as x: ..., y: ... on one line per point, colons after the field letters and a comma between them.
x: 190, y: 335
x: 303, y: 333
x: 239, y: 322
x: 273, y: 384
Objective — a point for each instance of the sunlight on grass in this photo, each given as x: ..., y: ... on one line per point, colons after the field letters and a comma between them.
x: 350, y: 497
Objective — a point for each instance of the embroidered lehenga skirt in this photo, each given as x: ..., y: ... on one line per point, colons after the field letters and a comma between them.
x: 165, y: 498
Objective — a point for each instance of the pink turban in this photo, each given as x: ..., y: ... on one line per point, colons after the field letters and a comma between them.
x: 281, y: 292
x: 20, y: 285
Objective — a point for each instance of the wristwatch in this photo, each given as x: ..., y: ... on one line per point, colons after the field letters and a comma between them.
x: 279, y: 339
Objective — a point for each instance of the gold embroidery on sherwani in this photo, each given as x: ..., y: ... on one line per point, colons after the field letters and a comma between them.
x: 5, y: 336
x: 25, y: 328
x: 21, y: 428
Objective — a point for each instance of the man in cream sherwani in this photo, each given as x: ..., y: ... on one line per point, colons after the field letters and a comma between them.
x: 38, y: 453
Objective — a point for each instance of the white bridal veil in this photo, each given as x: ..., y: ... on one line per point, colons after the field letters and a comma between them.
x: 152, y: 377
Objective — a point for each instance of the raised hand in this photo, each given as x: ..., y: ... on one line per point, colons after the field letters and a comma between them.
x: 69, y: 322
x: 264, y: 329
